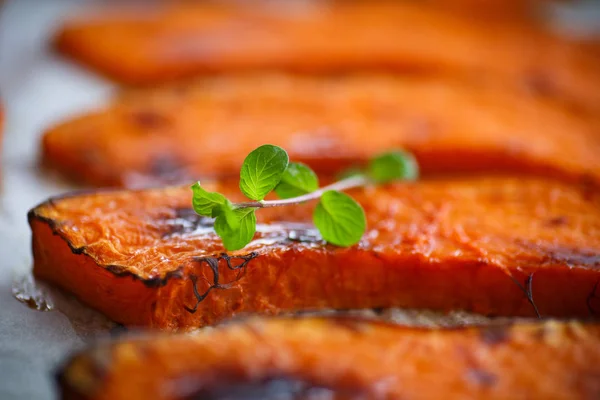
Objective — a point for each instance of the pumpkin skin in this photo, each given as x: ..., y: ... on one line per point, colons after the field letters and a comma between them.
x: 494, y: 246
x: 344, y: 359
x: 175, y: 134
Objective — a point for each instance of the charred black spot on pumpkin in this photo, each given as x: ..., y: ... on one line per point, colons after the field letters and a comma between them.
x: 379, y: 310
x: 118, y: 330
x: 152, y: 282
x: 593, y: 300
x: 167, y: 169
x: 541, y: 332
x: 149, y: 120
x: 213, y: 263
x: 185, y: 222
x: 551, y: 254
x: 540, y: 84
x: 572, y: 257
x: 495, y: 334
x: 356, y: 325
x: 481, y: 377
x: 288, y: 388
x: 557, y: 221
x: 94, y: 364
x: 187, y: 213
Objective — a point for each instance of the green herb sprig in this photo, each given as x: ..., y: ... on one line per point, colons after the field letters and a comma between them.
x: 338, y: 217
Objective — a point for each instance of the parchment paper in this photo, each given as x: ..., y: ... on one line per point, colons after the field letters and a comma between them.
x: 39, y: 89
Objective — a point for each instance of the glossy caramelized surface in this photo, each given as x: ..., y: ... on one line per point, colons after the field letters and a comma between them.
x: 497, y: 246
x: 342, y: 358
x: 153, y: 45
x: 186, y: 132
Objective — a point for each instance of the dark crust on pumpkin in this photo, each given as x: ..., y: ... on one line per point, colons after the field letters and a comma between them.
x: 118, y: 270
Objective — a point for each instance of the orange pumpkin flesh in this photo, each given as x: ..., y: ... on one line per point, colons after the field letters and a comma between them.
x: 341, y: 358
x: 179, y: 40
x: 495, y: 246
x: 181, y: 133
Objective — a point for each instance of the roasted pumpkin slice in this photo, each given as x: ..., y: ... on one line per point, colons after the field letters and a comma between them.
x: 144, y: 46
x: 207, y: 128
x: 496, y: 246
x: 341, y: 358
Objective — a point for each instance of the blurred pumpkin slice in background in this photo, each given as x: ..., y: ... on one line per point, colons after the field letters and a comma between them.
x: 179, y: 40
x: 181, y: 133
x: 343, y: 358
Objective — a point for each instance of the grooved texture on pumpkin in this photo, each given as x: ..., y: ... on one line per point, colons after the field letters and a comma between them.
x: 484, y: 245
x: 344, y: 359
x: 180, y: 132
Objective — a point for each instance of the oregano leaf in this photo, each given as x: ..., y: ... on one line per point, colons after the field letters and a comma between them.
x: 340, y: 219
x: 228, y: 214
x: 350, y: 172
x: 262, y: 171
x: 205, y: 202
x: 298, y: 179
x: 235, y: 239
x: 395, y: 165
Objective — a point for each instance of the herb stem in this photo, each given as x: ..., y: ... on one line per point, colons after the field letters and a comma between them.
x: 344, y: 184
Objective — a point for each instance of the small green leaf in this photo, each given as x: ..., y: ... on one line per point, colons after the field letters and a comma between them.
x: 262, y: 171
x: 205, y: 202
x: 227, y: 212
x: 350, y: 172
x: 298, y: 179
x: 394, y: 165
x: 235, y: 239
x: 340, y: 219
